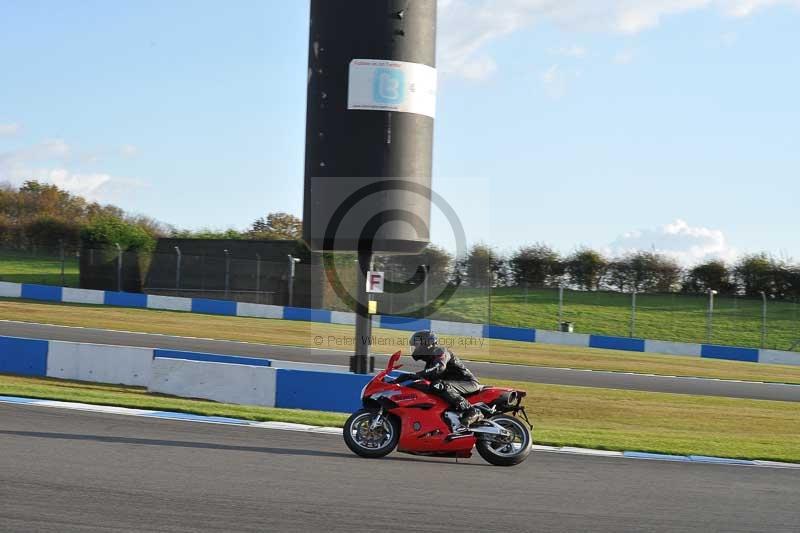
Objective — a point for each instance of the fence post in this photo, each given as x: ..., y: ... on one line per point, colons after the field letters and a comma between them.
x: 633, y: 313
x: 489, y: 321
x: 292, y: 262
x: 178, y: 271
x: 119, y: 267
x: 258, y: 278
x: 560, y: 306
x: 427, y: 270
x: 227, y: 272
x: 61, y: 248
x: 763, y: 320
x: 710, y: 316
x: 390, y: 277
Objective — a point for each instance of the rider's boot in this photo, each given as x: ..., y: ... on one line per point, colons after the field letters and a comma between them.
x: 471, y: 416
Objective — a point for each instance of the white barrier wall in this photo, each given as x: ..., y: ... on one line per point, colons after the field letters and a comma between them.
x: 82, y: 296
x: 10, y: 290
x: 340, y: 317
x: 169, y: 303
x: 559, y: 337
x: 775, y: 357
x: 99, y: 363
x: 673, y: 348
x: 457, y: 328
x: 259, y: 310
x: 221, y: 382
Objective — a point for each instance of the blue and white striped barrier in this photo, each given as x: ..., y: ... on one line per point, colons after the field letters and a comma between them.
x: 222, y: 378
x: 485, y: 331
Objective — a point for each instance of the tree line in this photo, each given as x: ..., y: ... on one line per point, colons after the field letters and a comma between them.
x: 37, y: 215
x: 541, y: 266
x: 43, y: 215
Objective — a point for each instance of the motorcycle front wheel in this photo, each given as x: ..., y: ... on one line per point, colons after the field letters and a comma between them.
x: 507, y: 452
x: 367, y: 441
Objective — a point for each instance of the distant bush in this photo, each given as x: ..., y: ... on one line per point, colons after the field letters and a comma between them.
x: 106, y: 231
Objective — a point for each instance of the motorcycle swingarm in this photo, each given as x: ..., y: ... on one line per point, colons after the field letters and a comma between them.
x: 488, y: 429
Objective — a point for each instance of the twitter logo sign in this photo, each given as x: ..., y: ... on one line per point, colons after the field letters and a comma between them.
x: 389, y: 86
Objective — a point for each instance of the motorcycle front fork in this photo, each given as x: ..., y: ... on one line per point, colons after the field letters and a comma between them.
x: 377, y: 421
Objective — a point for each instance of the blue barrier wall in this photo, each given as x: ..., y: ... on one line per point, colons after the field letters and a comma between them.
x: 307, y: 315
x: 509, y: 333
x: 319, y: 391
x: 404, y: 323
x: 729, y: 353
x: 213, y: 307
x: 616, y: 343
x: 125, y: 299
x: 44, y: 293
x: 211, y: 358
x: 26, y: 357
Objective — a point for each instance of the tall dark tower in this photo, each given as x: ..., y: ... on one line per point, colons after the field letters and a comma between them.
x: 369, y: 132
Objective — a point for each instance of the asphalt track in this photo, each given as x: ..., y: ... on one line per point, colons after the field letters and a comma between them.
x: 79, y: 471
x: 556, y: 376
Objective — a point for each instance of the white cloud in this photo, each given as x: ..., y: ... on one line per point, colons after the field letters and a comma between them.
x: 687, y: 244
x: 87, y: 185
x: 52, y: 161
x: 10, y: 129
x: 467, y: 27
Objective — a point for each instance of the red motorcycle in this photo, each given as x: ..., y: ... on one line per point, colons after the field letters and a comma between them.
x: 403, y: 415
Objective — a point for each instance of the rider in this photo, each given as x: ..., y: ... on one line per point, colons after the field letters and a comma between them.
x: 449, y: 378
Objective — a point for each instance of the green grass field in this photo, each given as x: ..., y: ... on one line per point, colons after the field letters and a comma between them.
x: 23, y: 268
x: 672, y: 317
x: 563, y: 416
x: 335, y: 336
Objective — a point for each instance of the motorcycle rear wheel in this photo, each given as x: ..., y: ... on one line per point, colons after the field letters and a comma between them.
x: 372, y: 444
x: 511, y: 453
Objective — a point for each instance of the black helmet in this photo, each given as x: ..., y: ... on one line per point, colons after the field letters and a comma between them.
x: 422, y: 340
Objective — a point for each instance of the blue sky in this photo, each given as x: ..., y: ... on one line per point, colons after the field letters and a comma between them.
x: 666, y: 124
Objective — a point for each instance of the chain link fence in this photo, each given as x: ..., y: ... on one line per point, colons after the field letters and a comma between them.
x: 728, y: 320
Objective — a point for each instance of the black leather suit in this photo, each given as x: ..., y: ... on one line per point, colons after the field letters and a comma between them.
x: 449, y: 378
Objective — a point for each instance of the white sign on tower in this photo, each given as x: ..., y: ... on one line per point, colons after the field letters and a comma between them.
x: 375, y: 282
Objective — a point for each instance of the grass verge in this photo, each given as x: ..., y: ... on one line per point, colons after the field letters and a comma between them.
x: 563, y: 416
x: 671, y: 317
x: 340, y: 337
x: 21, y: 268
